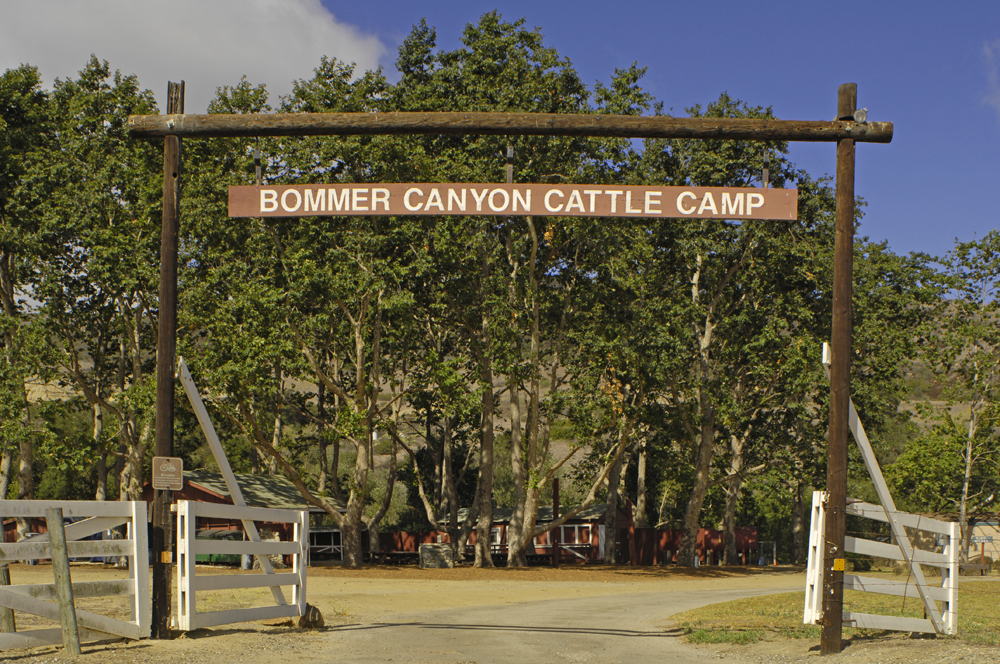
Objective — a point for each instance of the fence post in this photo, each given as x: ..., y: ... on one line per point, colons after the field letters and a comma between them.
x: 7, y: 623
x: 187, y: 605
x: 142, y: 606
x: 64, y: 586
x: 301, y: 560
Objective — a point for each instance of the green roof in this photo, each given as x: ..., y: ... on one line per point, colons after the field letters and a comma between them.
x: 271, y: 491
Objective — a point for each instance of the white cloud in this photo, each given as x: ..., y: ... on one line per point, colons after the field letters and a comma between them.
x: 991, y: 52
x: 207, y: 43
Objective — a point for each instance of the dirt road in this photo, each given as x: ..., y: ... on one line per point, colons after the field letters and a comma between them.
x: 465, y: 616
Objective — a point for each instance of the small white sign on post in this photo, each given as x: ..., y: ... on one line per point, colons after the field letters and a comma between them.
x: 168, y: 473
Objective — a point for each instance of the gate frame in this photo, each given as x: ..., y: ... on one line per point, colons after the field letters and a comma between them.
x: 850, y: 125
x: 189, y: 583
x: 99, y: 516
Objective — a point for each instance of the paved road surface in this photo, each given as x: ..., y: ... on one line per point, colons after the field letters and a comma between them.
x: 628, y: 628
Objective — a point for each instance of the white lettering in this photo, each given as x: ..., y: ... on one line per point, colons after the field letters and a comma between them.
x: 453, y: 198
x: 406, y: 199
x: 732, y: 205
x: 593, y: 194
x: 506, y: 200
x: 754, y: 201
x: 284, y: 200
x: 268, y: 200
x: 708, y: 202
x: 525, y: 201
x: 575, y: 201
x: 339, y: 203
x: 614, y: 199
x: 649, y: 203
x: 548, y: 198
x: 359, y: 196
x: 434, y: 198
x: 479, y: 199
x: 315, y: 200
x: 680, y: 206
x: 628, y: 204
x: 380, y: 196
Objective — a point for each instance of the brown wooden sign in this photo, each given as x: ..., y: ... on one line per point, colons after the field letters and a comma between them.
x: 565, y: 200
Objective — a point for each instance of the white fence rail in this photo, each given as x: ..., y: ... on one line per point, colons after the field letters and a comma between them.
x: 190, y: 582
x: 38, y: 599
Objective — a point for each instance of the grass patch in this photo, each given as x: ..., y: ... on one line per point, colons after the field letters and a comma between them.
x: 740, y: 638
x: 780, y: 616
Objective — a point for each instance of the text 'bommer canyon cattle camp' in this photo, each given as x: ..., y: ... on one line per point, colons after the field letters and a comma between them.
x: 569, y: 200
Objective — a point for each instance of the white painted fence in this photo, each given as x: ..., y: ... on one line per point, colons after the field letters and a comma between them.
x: 941, y: 620
x: 39, y: 599
x: 190, y: 581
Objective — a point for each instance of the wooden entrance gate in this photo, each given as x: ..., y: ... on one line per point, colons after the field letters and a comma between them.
x: 39, y: 599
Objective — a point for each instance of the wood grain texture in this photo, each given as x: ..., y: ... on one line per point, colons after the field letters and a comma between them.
x: 504, y: 124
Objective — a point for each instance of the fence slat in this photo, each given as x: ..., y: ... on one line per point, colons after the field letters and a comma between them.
x: 240, y: 548
x: 86, y: 619
x: 895, y: 623
x: 29, y: 550
x: 34, y: 638
x: 235, y: 512
x: 233, y: 581
x: 877, y: 512
x: 886, y: 587
x: 214, y: 618
x: 109, y: 588
x: 86, y: 528
x: 70, y: 508
x: 891, y: 551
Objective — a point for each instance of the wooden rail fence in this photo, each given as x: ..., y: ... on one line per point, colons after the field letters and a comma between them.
x: 39, y: 599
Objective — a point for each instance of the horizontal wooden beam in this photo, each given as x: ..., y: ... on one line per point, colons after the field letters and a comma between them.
x: 504, y: 124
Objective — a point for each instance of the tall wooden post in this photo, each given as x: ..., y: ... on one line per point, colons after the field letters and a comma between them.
x: 840, y: 385
x: 162, y: 532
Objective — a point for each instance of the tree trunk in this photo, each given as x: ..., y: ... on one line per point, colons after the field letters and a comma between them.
x: 272, y: 467
x: 703, y: 466
x: 611, y: 513
x: 131, y: 480
x: 515, y: 532
x: 963, y: 510
x: 102, y: 460
x: 374, y: 521
x: 733, y: 485
x: 484, y: 498
x: 25, y: 481
x: 639, y: 516
x: 321, y: 411
x: 798, y: 525
x: 6, y: 462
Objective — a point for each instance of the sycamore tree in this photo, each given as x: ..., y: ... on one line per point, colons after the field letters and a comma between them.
x: 98, y: 284
x: 24, y: 132
x: 963, y: 444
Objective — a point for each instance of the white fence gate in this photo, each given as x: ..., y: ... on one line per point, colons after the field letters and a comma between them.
x: 939, y: 620
x: 943, y: 620
x: 39, y: 599
x: 189, y: 582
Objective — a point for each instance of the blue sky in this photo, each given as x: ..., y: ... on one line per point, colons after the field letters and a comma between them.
x: 920, y: 65
x: 932, y: 69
